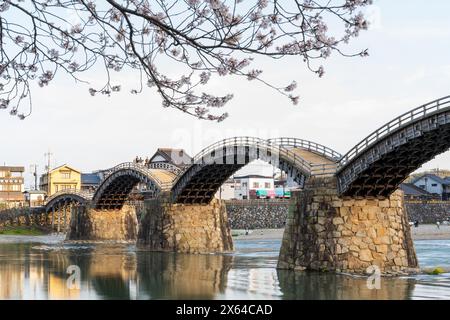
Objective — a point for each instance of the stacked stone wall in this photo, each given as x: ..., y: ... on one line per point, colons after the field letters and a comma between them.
x: 257, y: 214
x: 24, y: 217
x: 326, y: 232
x: 428, y: 211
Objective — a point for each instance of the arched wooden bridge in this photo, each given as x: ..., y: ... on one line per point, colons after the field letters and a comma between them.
x: 373, y: 168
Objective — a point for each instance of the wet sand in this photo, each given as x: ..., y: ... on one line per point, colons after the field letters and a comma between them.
x: 423, y: 232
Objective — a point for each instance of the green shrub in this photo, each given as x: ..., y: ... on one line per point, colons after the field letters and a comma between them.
x: 436, y: 271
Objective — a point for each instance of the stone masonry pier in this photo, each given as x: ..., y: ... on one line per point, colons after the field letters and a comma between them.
x: 90, y: 224
x: 327, y: 233
x: 185, y: 228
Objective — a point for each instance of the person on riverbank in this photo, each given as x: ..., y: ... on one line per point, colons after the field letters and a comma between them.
x: 438, y: 224
x: 416, y: 224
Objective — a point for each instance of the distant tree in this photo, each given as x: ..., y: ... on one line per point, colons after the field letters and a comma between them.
x: 201, y: 39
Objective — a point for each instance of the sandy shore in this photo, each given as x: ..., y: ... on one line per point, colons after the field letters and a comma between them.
x: 423, y: 232
x: 431, y: 232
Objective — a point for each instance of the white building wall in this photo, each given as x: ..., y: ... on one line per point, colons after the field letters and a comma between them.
x: 431, y: 185
x: 261, y: 182
x: 242, y: 189
x: 226, y: 191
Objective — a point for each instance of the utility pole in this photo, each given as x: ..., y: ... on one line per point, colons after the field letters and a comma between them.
x: 33, y: 169
x: 48, y: 155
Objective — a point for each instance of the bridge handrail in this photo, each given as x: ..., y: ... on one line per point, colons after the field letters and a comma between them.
x: 83, y: 194
x: 323, y: 169
x: 308, y: 145
x: 142, y: 168
x: 251, y: 141
x: 393, y: 125
x: 164, y: 166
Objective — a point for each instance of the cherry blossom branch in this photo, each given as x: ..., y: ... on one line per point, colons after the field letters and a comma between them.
x: 198, y: 39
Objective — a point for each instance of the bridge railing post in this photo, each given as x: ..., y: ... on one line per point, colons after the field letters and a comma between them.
x: 53, y: 219
x: 59, y: 219
x: 65, y: 217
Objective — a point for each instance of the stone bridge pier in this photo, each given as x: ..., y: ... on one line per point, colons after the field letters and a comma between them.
x: 327, y: 233
x: 162, y: 226
x: 87, y: 223
x: 185, y: 228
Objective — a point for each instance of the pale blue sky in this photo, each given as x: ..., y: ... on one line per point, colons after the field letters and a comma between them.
x: 409, y: 64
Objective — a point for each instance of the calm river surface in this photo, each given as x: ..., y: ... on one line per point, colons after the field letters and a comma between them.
x: 36, y: 268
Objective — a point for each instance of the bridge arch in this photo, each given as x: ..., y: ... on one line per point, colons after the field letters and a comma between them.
x: 115, y: 189
x: 65, y: 197
x: 377, y: 165
x: 212, y: 166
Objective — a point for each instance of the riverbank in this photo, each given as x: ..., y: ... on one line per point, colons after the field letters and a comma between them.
x: 22, y: 231
x: 423, y: 232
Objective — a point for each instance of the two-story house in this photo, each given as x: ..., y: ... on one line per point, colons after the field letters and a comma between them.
x: 60, y: 178
x: 434, y: 185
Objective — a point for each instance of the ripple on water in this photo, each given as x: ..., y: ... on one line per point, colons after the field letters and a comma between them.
x: 432, y: 287
x: 433, y: 253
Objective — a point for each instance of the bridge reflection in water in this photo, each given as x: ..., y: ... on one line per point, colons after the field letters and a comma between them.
x: 327, y: 286
x: 30, y: 271
x: 36, y: 271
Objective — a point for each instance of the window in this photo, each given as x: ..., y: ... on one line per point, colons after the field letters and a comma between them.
x: 15, y: 187
x: 65, y: 174
x: 2, y: 174
x: 267, y: 185
x: 422, y: 186
x: 255, y: 185
x: 244, y: 184
x: 434, y: 184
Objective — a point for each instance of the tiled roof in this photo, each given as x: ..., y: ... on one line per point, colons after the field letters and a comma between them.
x: 64, y: 165
x: 174, y: 156
x: 253, y: 176
x: 411, y: 189
x: 90, y: 178
x: 12, y: 168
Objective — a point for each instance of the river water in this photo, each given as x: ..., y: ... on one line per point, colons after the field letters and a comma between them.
x: 37, y: 268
